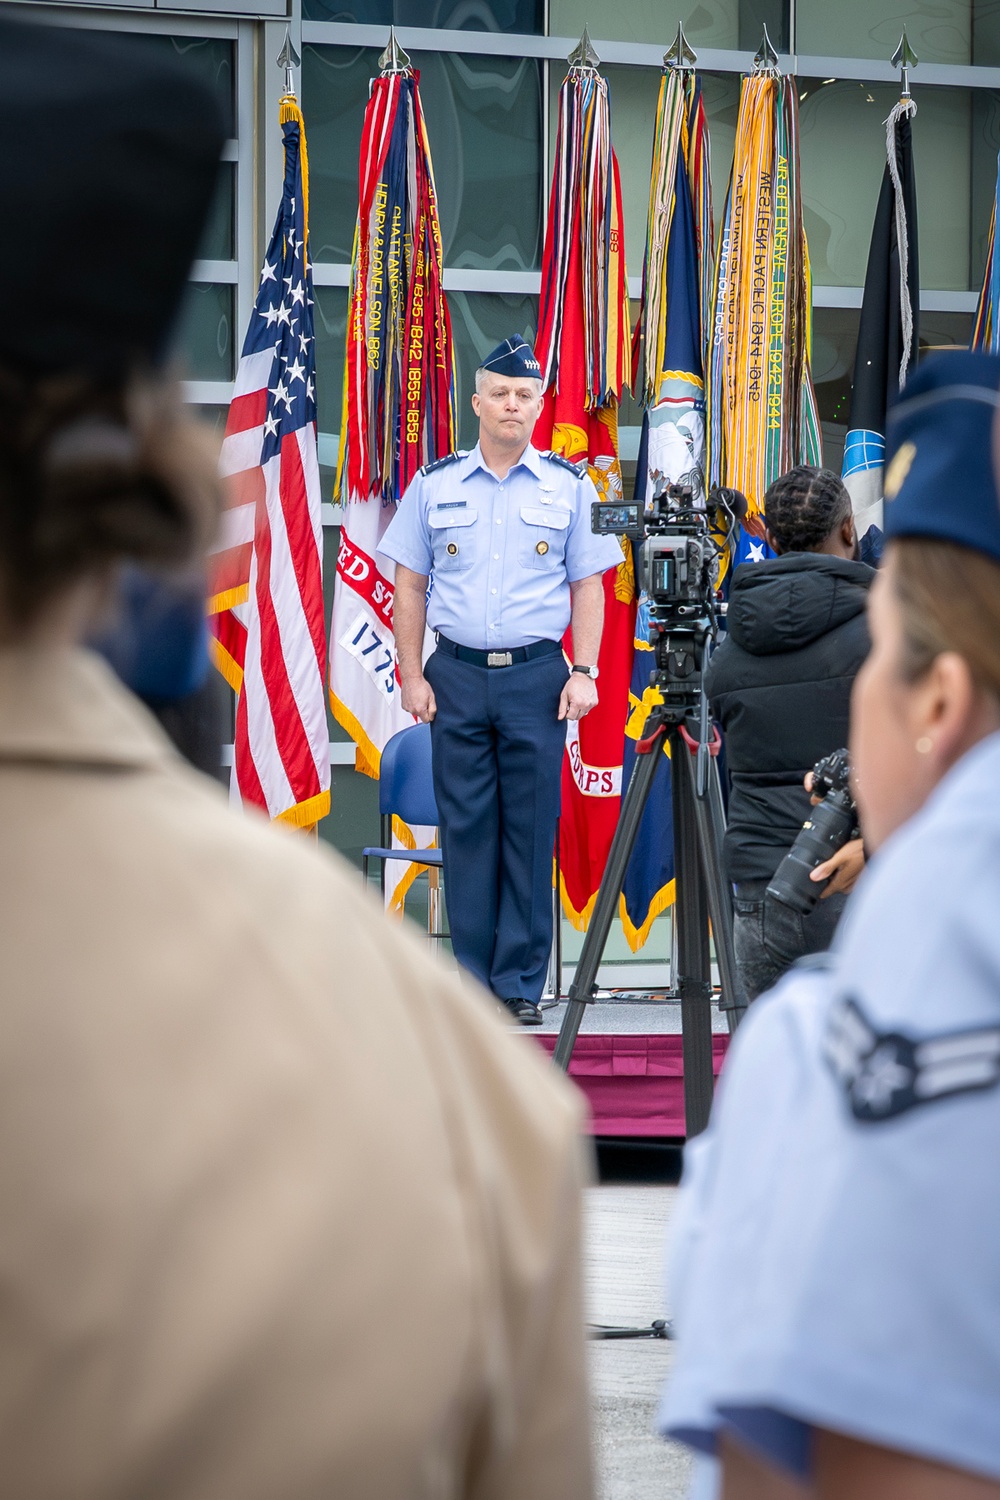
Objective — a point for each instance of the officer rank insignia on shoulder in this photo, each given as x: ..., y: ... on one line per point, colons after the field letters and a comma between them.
x: 580, y: 469
x: 884, y: 1074
x: 442, y: 463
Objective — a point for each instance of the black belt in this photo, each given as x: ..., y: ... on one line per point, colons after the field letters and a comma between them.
x: 510, y: 658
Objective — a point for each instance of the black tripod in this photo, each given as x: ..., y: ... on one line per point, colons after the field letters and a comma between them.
x: 680, y: 721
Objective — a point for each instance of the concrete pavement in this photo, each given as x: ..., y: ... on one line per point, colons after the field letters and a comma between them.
x: 625, y: 1238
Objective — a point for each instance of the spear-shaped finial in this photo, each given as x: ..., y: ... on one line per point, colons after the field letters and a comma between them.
x: 288, y: 59
x: 583, y: 57
x: 765, y: 58
x: 393, y: 59
x: 904, y: 58
x: 681, y: 54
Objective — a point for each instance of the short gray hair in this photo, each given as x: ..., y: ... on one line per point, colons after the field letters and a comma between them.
x: 482, y: 373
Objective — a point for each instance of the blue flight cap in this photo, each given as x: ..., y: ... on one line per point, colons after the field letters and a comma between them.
x: 939, y: 479
x: 513, y: 357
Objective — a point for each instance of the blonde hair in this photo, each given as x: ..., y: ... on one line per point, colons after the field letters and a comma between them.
x: 949, y: 596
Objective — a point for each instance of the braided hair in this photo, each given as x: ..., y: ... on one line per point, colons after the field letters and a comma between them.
x: 804, y: 506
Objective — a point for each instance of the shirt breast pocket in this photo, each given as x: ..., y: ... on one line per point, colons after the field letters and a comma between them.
x: 542, y: 541
x: 453, y: 538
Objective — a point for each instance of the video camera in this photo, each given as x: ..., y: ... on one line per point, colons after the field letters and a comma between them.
x: 675, y: 563
x: 827, y: 829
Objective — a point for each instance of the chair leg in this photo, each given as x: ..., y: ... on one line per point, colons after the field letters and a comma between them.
x: 385, y: 829
x: 434, y: 931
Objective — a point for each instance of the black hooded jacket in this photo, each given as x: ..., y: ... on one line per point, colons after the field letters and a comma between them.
x: 780, y: 686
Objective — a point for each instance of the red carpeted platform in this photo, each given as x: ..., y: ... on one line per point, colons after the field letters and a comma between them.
x: 634, y: 1082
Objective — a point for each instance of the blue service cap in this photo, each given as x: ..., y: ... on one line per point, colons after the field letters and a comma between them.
x: 939, y: 479
x: 515, y: 357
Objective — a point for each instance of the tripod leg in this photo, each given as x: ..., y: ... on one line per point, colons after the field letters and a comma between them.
x: 711, y: 827
x: 581, y: 991
x: 693, y: 964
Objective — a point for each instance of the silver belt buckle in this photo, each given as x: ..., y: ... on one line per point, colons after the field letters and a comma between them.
x: 499, y: 659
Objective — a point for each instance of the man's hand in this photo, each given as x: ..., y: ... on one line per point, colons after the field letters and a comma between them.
x: 418, y: 698
x: 578, y: 697
x: 844, y: 868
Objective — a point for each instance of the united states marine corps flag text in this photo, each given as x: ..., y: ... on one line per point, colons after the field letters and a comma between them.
x: 267, y: 579
x: 584, y: 350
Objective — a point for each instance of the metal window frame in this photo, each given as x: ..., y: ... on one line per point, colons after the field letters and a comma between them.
x: 639, y: 54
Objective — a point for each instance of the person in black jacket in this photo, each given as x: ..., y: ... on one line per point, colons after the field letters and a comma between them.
x: 780, y: 686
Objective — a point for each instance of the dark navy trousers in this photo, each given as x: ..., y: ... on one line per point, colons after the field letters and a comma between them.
x: 497, y: 750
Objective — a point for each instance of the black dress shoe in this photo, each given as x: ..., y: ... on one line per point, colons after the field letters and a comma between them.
x: 524, y: 1011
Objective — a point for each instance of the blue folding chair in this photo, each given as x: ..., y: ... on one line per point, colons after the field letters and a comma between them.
x: 406, y: 790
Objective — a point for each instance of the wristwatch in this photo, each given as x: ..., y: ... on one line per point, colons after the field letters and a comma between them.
x: 590, y: 672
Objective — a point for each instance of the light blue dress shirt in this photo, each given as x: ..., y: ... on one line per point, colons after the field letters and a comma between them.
x: 501, y: 553
x: 837, y: 1257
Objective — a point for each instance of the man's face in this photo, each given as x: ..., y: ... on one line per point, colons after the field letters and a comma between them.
x: 507, y: 410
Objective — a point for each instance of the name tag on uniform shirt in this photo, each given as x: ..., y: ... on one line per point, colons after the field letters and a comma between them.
x: 450, y: 505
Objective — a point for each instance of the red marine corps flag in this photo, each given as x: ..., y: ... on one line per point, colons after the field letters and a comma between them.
x: 267, y: 587
x: 584, y: 349
x: 399, y: 396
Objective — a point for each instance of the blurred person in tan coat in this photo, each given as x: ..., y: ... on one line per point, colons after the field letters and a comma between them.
x: 285, y: 1212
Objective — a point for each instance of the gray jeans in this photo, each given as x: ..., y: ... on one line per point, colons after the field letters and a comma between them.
x: 770, y: 936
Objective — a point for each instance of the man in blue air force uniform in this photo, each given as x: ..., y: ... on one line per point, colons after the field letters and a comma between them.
x: 502, y: 536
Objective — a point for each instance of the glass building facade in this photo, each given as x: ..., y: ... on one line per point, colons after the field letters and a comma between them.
x: 490, y: 74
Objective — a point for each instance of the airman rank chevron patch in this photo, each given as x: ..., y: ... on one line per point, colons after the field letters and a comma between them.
x: 884, y: 1074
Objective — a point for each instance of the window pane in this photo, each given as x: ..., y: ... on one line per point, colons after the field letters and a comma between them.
x: 331, y: 336
x: 843, y: 158
x: 484, y: 125
x: 211, y: 59
x: 985, y: 145
x: 204, y: 339
x: 219, y: 239
x: 835, y: 339
x: 214, y: 417
x: 709, y: 23
x: 526, y: 16
x: 940, y: 31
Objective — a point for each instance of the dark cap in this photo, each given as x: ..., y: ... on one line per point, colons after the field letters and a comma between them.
x: 939, y: 479
x: 513, y: 357
x: 111, y: 161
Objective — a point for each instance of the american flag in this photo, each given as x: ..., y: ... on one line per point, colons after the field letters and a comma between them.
x: 267, y: 591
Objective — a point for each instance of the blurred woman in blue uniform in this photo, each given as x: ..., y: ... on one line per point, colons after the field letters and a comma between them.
x: 837, y: 1277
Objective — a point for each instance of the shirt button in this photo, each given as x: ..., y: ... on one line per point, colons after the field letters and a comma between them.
x: 492, y: 591
x: 496, y: 557
x: 499, y: 520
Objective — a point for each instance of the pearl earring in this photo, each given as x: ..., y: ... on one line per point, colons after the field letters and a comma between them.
x: 924, y: 745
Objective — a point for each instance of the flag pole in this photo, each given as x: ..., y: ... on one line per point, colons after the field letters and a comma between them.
x: 890, y: 311
x: 681, y: 55
x: 266, y: 597
x: 904, y: 58
x: 288, y: 59
x: 393, y: 60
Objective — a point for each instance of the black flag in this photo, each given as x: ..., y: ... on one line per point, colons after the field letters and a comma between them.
x: 890, y: 312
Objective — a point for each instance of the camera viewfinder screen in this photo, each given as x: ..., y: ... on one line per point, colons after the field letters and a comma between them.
x: 615, y: 518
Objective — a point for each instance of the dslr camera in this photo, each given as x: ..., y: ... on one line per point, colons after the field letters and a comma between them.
x: 829, y: 826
